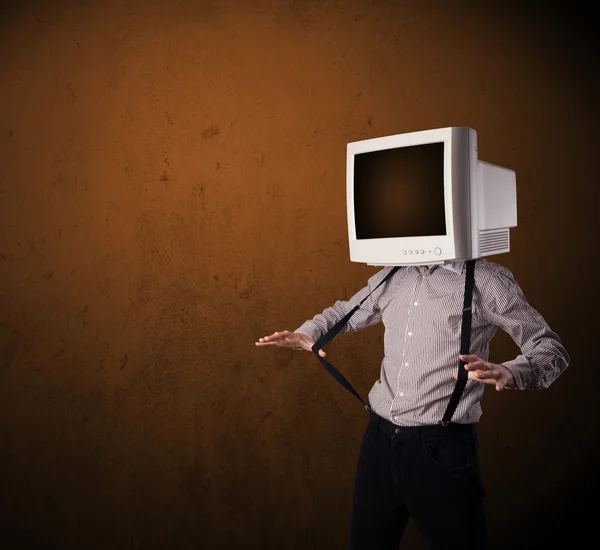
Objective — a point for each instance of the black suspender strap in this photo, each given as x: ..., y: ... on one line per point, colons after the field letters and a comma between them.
x: 465, y: 343
x: 332, y: 333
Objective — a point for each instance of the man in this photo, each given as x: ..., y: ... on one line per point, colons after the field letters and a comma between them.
x: 409, y: 464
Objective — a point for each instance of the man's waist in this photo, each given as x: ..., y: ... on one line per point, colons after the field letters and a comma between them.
x: 389, y: 427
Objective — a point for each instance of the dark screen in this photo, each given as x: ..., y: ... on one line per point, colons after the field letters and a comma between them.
x: 400, y: 192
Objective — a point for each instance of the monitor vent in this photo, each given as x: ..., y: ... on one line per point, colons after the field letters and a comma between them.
x: 493, y: 241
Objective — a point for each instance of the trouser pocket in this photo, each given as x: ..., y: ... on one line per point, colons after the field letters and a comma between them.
x: 451, y: 451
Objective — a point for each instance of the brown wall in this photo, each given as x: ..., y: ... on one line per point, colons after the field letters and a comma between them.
x: 173, y: 187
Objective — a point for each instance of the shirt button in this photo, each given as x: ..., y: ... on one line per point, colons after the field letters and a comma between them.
x: 416, y: 303
x: 410, y: 333
x: 406, y: 364
x: 401, y: 394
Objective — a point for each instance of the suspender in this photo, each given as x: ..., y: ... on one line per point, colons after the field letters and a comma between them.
x: 330, y: 335
x: 465, y: 340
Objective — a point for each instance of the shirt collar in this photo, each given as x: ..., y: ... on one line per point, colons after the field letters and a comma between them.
x: 455, y: 265
x: 458, y: 266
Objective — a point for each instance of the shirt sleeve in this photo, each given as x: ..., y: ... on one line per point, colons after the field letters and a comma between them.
x: 368, y: 314
x: 543, y: 358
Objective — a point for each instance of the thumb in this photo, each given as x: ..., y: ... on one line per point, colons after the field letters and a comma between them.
x: 310, y: 343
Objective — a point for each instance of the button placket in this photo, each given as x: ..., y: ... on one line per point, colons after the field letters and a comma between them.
x: 408, y: 331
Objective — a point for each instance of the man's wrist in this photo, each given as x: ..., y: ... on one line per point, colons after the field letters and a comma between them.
x: 512, y: 382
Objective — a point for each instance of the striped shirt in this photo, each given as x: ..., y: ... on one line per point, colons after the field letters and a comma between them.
x: 421, y: 309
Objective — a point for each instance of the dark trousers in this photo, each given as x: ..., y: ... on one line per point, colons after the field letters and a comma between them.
x: 429, y: 473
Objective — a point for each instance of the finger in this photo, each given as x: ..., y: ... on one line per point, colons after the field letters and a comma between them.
x: 321, y: 352
x: 473, y: 366
x: 469, y: 358
x: 274, y: 336
x: 271, y: 339
x: 500, y: 383
x: 481, y: 377
x: 476, y: 375
x: 471, y: 376
x: 478, y: 365
x: 492, y: 374
x: 263, y: 341
x: 488, y: 378
x: 279, y: 335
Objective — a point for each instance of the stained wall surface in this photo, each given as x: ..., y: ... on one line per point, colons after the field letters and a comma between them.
x: 172, y: 188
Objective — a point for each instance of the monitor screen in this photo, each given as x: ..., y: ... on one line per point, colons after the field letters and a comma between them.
x: 400, y: 192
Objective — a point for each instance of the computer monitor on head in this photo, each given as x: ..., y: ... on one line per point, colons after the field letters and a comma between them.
x: 425, y: 198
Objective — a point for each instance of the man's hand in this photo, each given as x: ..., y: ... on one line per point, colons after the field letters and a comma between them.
x: 289, y: 339
x: 488, y: 373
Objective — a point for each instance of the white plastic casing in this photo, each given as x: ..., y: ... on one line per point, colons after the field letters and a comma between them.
x: 479, y: 198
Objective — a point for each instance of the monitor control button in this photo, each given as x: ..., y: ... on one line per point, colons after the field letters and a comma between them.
x: 438, y: 251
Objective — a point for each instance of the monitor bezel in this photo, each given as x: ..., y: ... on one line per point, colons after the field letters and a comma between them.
x: 404, y: 250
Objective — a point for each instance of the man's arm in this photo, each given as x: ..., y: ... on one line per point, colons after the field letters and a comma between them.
x: 543, y: 358
x: 367, y: 315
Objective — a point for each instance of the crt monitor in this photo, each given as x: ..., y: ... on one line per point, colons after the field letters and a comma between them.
x: 425, y: 198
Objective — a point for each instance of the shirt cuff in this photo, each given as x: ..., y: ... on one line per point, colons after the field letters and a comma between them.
x: 521, y: 371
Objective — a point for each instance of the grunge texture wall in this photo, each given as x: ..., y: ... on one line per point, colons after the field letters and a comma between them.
x: 172, y: 187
